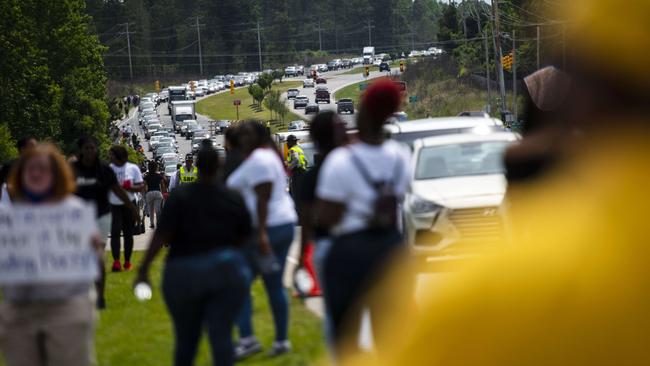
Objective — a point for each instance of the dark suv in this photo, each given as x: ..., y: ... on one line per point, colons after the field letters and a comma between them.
x: 345, y: 105
x: 322, y: 95
x: 384, y: 66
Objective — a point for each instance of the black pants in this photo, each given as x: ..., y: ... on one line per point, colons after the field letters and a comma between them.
x: 122, y: 224
x: 353, y: 266
x: 205, y: 291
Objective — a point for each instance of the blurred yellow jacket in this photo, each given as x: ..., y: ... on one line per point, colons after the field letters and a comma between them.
x: 574, y: 291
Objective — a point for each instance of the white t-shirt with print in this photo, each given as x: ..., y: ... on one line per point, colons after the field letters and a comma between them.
x: 341, y: 181
x: 262, y: 166
x: 125, y: 172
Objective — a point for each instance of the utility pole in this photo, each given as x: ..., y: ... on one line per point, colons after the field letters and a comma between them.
x: 538, y: 40
x: 259, y: 45
x: 412, y: 38
x: 198, y: 35
x: 128, y: 45
x: 499, y: 54
x: 370, y: 32
x: 320, y: 39
x: 514, y: 73
x: 487, y: 59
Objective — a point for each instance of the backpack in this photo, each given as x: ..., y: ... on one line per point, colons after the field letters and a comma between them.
x: 385, y: 207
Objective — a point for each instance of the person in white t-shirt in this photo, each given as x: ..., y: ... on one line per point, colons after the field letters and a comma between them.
x: 123, y: 220
x: 262, y: 180
x: 359, y: 190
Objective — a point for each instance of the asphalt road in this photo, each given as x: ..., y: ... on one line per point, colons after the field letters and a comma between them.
x: 335, y: 80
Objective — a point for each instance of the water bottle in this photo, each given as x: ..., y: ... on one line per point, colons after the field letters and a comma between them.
x: 142, y: 291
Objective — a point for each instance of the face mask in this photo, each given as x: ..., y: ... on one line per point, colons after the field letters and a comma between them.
x: 37, y: 198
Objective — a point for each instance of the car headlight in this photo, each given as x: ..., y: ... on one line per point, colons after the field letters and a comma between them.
x: 420, y: 206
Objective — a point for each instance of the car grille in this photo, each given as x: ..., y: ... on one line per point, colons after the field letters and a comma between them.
x: 478, y: 224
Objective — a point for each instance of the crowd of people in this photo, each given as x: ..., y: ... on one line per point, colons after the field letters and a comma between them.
x: 570, y: 290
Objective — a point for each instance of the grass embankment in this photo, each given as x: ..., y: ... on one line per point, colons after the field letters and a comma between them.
x: 140, y: 333
x: 442, y: 98
x: 220, y: 106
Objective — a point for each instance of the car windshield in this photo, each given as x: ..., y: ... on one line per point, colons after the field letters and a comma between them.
x: 458, y: 160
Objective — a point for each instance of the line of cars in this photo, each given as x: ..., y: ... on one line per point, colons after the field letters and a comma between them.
x: 453, y: 207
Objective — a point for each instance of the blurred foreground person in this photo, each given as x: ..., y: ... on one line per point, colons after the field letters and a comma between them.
x: 327, y: 131
x: 206, y: 277
x: 95, y: 180
x: 262, y: 180
x: 360, y: 188
x: 574, y: 290
x: 47, y: 324
x: 234, y: 155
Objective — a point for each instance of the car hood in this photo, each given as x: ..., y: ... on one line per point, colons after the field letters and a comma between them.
x: 461, y: 192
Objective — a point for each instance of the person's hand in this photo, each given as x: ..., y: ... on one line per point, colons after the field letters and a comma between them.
x: 142, y: 276
x: 264, y: 243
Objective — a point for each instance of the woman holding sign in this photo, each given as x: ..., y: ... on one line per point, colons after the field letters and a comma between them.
x: 47, y: 310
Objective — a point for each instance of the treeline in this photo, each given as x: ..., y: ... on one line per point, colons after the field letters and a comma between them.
x: 164, y: 38
x: 53, y: 77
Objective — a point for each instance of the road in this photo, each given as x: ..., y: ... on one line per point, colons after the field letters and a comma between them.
x: 335, y: 80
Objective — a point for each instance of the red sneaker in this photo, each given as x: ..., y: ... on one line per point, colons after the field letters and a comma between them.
x: 127, y: 266
x: 117, y: 267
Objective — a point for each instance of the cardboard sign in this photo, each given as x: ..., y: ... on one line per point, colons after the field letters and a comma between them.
x: 47, y: 243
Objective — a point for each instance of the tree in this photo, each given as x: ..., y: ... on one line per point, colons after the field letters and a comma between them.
x: 265, y: 81
x: 8, y: 149
x: 54, y: 82
x: 278, y: 75
x: 257, y: 93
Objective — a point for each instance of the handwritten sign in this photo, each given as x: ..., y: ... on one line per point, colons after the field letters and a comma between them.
x: 47, y: 243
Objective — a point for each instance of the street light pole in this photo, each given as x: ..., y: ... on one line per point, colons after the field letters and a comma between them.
x: 259, y: 45
x: 198, y: 34
x: 128, y: 44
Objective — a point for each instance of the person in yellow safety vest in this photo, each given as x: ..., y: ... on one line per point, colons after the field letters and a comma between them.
x: 296, y: 162
x: 188, y: 173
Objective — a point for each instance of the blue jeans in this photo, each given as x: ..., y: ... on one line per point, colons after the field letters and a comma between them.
x: 206, y: 289
x: 281, y: 238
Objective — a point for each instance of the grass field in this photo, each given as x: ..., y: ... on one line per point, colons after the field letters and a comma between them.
x: 220, y: 106
x: 131, y: 333
x: 351, y: 91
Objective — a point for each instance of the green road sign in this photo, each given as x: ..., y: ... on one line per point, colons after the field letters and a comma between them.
x: 413, y: 99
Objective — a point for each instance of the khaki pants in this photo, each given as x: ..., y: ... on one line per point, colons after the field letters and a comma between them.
x: 48, y: 333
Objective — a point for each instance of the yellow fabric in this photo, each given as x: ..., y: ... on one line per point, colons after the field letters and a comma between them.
x: 302, y: 161
x: 189, y: 177
x: 573, y: 289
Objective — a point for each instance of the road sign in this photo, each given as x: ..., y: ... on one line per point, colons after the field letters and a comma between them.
x: 363, y: 86
x: 232, y: 86
x: 413, y: 99
x: 236, y: 102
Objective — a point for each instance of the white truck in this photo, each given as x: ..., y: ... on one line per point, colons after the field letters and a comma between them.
x: 368, y: 55
x: 182, y: 110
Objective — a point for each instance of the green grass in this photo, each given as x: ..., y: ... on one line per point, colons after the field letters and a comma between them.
x: 351, y: 91
x: 220, y: 106
x: 140, y: 333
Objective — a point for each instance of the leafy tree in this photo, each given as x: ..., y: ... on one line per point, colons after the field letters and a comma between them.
x: 257, y: 93
x: 278, y: 75
x: 54, y: 83
x: 8, y: 149
x: 265, y: 81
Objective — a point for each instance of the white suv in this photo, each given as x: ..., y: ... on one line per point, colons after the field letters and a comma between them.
x: 457, y: 187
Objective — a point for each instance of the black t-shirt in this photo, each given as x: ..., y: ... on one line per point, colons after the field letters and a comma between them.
x: 153, y: 181
x: 198, y: 218
x: 94, y: 183
x: 307, y: 194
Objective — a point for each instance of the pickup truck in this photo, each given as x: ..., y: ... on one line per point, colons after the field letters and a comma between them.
x: 345, y: 105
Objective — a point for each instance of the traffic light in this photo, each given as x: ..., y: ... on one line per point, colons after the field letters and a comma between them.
x: 366, y: 73
x: 507, y: 61
x: 401, y: 66
x: 192, y: 86
x: 232, y: 86
x: 157, y: 85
